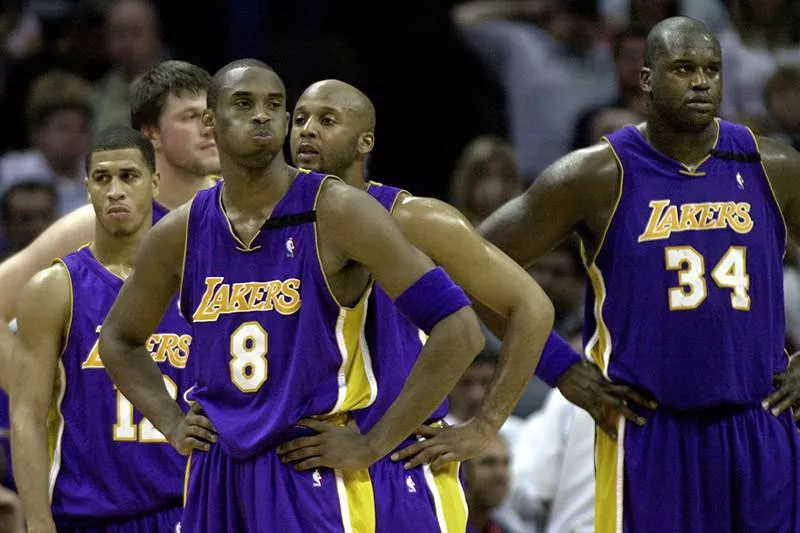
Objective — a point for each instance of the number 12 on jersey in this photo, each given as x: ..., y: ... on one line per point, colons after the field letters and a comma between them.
x: 730, y: 273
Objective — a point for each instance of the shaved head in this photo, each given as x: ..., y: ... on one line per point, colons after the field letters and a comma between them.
x: 333, y: 130
x: 345, y: 96
x: 675, y: 32
x: 220, y: 77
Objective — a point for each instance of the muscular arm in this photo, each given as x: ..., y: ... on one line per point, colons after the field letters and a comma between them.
x: 134, y: 317
x: 493, y: 279
x: 362, y: 231
x: 576, y: 193
x: 63, y: 237
x: 42, y: 321
x: 782, y: 164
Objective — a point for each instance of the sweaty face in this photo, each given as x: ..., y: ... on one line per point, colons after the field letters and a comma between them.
x: 686, y: 83
x: 184, y: 142
x: 251, y: 120
x: 324, y: 135
x: 121, y: 189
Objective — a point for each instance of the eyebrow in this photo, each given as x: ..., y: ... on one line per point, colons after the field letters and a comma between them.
x: 131, y: 169
x: 236, y: 94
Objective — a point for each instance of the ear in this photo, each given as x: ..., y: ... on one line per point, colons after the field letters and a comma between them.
x: 288, y: 122
x: 646, y: 79
x: 366, y: 142
x: 156, y: 182
x: 152, y: 135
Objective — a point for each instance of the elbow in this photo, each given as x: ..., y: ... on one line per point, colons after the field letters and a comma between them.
x: 464, y: 333
x: 535, y: 310
x: 108, y: 345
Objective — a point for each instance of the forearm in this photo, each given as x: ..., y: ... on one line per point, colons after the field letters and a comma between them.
x: 556, y: 357
x: 31, y: 468
x: 139, y: 379
x: 450, y: 349
x: 526, y: 331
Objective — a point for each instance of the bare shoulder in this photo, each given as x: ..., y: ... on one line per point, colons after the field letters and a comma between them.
x: 782, y: 165
x: 594, y: 165
x: 778, y: 156
x: 342, y: 205
x: 421, y: 212
x: 48, y: 290
x: 171, y: 229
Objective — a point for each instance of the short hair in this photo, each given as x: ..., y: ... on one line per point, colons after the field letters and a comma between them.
x: 628, y: 33
x: 148, y: 92
x: 784, y: 77
x: 219, y: 76
x: 121, y: 138
x: 27, y: 186
x: 55, y: 91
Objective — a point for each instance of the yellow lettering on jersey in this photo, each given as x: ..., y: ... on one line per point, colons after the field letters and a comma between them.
x: 161, y: 346
x: 93, y: 359
x: 223, y: 298
x: 664, y: 219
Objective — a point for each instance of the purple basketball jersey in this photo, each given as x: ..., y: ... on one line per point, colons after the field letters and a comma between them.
x: 272, y: 343
x: 107, y: 462
x: 687, y: 299
x: 393, y: 340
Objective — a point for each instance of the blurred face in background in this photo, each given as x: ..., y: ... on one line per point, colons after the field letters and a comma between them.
x: 63, y: 138
x: 132, y: 36
x: 487, y: 476
x: 466, y: 397
x: 28, y: 212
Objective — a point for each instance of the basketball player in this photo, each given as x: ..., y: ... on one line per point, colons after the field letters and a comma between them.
x: 166, y: 103
x: 333, y: 131
x: 682, y: 220
x: 274, y: 269
x: 109, y: 468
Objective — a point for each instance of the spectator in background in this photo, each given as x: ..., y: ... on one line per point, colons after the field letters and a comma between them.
x: 26, y: 209
x: 553, y: 468
x: 562, y: 277
x: 134, y: 45
x: 549, y: 73
x: 58, y: 116
x: 485, y: 178
x: 628, y: 47
x: 486, y: 484
x: 647, y: 13
x: 765, y: 35
x: 782, y: 100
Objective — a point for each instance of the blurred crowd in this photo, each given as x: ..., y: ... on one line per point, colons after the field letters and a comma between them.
x: 534, y: 80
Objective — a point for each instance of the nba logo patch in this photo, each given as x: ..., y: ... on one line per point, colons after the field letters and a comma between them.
x: 290, y: 247
x: 317, y: 477
x: 412, y: 487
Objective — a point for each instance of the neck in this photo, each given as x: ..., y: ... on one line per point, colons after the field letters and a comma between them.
x: 177, y: 185
x: 117, y: 253
x: 688, y: 148
x: 478, y: 517
x: 355, y: 176
x: 255, y: 189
